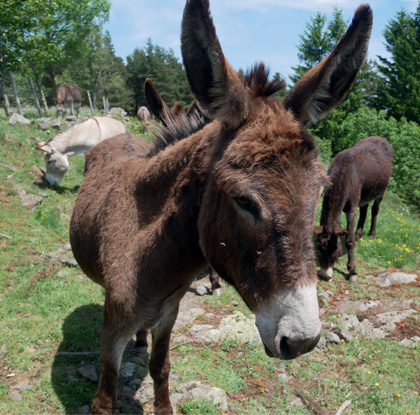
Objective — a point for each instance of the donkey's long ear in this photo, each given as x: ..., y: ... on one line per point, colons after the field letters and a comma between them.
x: 156, y: 104
x: 212, y: 80
x: 326, y: 84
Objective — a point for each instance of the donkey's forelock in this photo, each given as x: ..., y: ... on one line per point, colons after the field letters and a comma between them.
x: 256, y: 79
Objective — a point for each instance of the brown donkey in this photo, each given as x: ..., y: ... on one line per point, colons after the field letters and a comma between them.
x: 359, y: 175
x: 240, y: 195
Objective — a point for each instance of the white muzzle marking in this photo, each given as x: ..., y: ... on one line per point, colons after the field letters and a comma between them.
x: 289, y: 323
x: 326, y: 273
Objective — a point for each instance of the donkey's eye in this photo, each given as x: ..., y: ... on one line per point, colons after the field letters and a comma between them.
x: 246, y: 204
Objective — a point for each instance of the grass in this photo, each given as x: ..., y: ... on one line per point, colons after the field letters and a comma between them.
x: 47, y: 308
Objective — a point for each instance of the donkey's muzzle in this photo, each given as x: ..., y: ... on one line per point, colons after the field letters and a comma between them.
x: 289, y: 322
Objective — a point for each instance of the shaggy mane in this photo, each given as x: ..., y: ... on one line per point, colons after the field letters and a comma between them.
x: 256, y: 79
x: 177, y: 128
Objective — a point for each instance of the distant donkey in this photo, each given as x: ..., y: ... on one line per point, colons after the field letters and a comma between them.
x: 143, y: 114
x: 240, y: 194
x: 76, y: 140
x: 68, y: 96
x: 359, y: 175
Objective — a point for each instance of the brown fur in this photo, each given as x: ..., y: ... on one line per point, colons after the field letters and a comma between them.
x: 359, y: 175
x: 240, y: 194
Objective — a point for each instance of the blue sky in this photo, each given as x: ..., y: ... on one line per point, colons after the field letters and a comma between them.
x: 248, y: 30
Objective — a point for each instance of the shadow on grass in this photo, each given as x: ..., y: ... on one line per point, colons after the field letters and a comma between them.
x: 58, y: 189
x: 81, y: 330
x: 80, y: 348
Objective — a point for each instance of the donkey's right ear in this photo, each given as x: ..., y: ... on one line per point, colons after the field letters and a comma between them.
x: 156, y: 104
x: 325, y: 85
x: 215, y: 84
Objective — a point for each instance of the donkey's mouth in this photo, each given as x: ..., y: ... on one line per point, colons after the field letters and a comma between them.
x: 268, y: 352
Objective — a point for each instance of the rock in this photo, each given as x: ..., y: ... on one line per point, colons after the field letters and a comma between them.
x: 23, y: 387
x: 116, y: 111
x: 188, y: 315
x: 333, y: 338
x: 27, y: 200
x: 15, y: 396
x: 198, y: 391
x: 62, y: 273
x: 283, y: 376
x: 234, y: 303
x: 43, y: 123
x: 3, y: 349
x: 89, y: 372
x: 348, y: 322
x: 70, y: 262
x: 386, y: 279
x: 204, y: 332
x: 239, y: 327
x: 85, y: 409
x: 201, y: 290
x: 410, y: 342
x: 17, y: 119
x: 322, y: 342
x: 353, y: 278
x: 345, y: 335
x: 297, y: 402
x: 127, y: 369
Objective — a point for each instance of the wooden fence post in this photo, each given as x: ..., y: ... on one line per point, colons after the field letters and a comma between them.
x: 12, y: 79
x: 36, y: 97
x: 90, y: 103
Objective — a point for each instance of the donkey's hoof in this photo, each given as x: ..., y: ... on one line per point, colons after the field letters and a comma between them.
x: 353, y: 278
x: 99, y: 408
x: 217, y: 291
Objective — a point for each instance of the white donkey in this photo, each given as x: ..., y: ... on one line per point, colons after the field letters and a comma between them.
x: 76, y: 140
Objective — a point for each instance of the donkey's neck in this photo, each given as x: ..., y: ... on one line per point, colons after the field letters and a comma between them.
x: 77, y: 139
x: 332, y: 206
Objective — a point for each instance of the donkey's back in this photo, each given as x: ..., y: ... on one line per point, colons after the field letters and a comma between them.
x: 363, y: 171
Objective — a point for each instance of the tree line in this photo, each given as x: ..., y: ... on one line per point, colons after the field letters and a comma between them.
x: 62, y: 41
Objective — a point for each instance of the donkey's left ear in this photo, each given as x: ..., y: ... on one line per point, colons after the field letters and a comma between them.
x: 325, y: 85
x: 156, y: 104
x: 215, y: 84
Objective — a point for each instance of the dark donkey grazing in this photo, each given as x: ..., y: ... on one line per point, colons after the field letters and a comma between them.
x: 359, y: 175
x: 240, y: 194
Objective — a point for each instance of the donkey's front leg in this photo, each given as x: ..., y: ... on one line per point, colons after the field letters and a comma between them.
x: 350, y: 243
x: 112, y: 347
x: 159, y: 365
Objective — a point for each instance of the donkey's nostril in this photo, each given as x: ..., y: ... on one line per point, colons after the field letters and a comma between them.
x: 294, y: 347
x: 284, y: 347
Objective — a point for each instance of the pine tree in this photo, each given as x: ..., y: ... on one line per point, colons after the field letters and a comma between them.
x: 399, y: 93
x: 166, y: 72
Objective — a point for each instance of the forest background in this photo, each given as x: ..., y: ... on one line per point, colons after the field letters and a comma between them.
x: 62, y: 41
